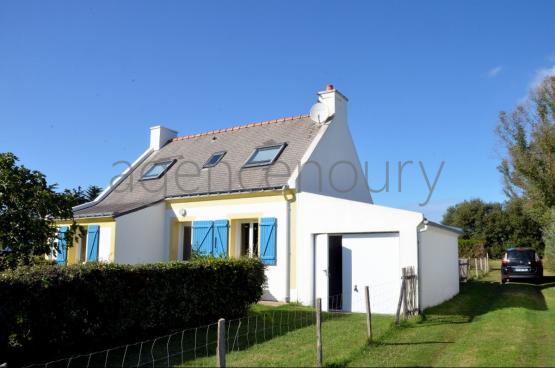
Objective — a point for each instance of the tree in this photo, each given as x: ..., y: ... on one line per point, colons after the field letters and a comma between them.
x: 482, y: 223
x: 28, y: 209
x: 493, y: 226
x: 92, y: 192
x: 81, y: 196
x: 549, y: 240
x: 529, y: 136
x: 522, y: 229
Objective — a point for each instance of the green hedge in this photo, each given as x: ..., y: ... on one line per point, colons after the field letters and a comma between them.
x: 55, y: 311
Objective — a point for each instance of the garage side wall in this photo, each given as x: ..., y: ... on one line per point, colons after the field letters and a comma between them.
x: 439, y: 266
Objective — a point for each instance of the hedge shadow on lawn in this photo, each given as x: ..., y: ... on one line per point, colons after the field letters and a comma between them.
x: 191, y: 344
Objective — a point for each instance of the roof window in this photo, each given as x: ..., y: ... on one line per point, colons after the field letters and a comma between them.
x: 214, y: 159
x: 265, y: 155
x: 157, y: 169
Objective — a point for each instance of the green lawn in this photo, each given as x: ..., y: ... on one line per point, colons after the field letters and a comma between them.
x: 487, y: 324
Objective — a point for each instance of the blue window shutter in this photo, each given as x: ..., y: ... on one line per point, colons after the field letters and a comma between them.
x: 92, y: 243
x: 61, y: 252
x: 268, y: 240
x: 203, y: 237
x: 221, y: 231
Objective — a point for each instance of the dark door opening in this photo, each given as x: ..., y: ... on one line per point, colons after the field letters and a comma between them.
x: 249, y: 239
x: 335, y: 273
x: 186, y: 242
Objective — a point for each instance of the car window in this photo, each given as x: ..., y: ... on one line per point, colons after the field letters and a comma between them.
x: 521, y: 255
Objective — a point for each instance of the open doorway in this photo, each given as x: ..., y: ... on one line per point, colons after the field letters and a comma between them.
x: 187, y: 241
x: 335, y: 272
x: 249, y: 239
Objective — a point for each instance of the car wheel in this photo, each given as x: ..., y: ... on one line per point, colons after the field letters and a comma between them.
x: 503, y: 281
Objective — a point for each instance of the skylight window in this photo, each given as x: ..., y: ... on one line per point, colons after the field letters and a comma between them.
x: 157, y: 170
x: 214, y: 159
x: 266, y: 155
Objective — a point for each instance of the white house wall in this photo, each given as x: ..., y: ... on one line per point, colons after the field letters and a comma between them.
x: 246, y: 208
x: 318, y: 214
x: 439, y: 268
x: 105, y: 244
x: 141, y: 236
x: 333, y: 167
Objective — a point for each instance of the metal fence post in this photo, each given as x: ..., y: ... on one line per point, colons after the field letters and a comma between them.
x: 220, y: 353
x: 319, y: 332
x: 368, y: 313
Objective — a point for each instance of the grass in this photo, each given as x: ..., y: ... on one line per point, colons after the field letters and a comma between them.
x: 487, y: 324
x: 342, y: 335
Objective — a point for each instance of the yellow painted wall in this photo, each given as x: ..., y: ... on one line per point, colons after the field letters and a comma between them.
x: 174, y: 239
x: 220, y: 201
x: 103, y: 222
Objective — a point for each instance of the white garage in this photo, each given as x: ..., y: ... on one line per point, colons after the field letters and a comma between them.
x: 368, y: 245
x: 349, y: 262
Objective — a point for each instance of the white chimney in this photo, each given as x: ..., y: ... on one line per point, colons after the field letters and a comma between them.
x: 335, y: 101
x: 159, y: 136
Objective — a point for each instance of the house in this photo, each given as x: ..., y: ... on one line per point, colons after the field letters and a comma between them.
x: 290, y: 191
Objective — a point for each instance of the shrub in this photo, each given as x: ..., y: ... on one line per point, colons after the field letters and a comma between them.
x: 471, y: 248
x: 549, y: 240
x: 52, y: 311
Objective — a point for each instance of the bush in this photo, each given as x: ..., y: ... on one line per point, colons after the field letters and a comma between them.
x: 52, y: 311
x: 549, y: 240
x: 471, y: 248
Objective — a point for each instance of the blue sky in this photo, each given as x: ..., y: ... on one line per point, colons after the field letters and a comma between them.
x: 81, y: 82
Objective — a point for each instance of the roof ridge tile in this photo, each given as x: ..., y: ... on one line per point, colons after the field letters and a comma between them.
x: 239, y: 127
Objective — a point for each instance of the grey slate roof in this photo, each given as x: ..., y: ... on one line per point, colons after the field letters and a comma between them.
x: 187, y: 178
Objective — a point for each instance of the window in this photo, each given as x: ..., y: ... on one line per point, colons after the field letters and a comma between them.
x: 521, y: 255
x: 157, y: 170
x: 265, y: 155
x: 214, y: 159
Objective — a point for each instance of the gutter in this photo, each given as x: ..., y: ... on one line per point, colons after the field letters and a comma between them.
x: 452, y: 229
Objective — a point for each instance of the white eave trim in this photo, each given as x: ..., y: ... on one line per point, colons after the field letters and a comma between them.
x: 308, y: 153
x: 115, y: 183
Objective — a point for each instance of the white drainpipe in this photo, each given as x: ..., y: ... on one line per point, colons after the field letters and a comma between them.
x: 287, y: 244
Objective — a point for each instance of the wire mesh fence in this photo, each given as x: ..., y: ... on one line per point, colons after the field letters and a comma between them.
x: 191, y: 344
x: 470, y: 268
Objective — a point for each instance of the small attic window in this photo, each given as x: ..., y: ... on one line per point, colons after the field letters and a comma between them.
x: 265, y: 155
x: 157, y: 169
x: 214, y: 159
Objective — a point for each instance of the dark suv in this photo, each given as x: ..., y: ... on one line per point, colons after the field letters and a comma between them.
x: 521, y: 263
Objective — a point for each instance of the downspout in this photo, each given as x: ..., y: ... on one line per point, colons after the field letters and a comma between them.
x: 285, y: 190
x: 418, y: 269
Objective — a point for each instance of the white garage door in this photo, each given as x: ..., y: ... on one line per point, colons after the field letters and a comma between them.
x: 373, y: 260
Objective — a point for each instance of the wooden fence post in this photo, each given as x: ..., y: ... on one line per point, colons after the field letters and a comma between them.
x: 319, y: 332
x: 476, y: 266
x: 401, y: 297
x: 368, y: 313
x: 220, y: 353
x: 487, y: 262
